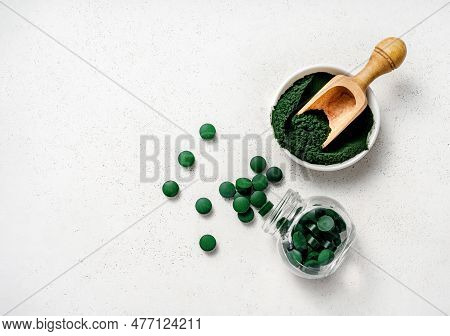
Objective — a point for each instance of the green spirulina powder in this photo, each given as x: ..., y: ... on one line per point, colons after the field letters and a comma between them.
x: 304, y: 135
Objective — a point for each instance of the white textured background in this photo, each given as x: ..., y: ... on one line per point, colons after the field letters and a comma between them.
x: 69, y: 156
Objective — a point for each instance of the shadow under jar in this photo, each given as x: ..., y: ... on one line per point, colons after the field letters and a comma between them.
x: 314, y: 234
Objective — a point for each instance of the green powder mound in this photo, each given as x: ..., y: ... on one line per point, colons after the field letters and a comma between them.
x: 303, y: 135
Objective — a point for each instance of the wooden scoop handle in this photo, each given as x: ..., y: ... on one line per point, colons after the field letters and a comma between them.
x: 387, y: 56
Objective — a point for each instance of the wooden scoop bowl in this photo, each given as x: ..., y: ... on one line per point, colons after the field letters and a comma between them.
x: 343, y: 98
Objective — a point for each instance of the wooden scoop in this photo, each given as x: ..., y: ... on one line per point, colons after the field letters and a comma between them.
x: 343, y: 98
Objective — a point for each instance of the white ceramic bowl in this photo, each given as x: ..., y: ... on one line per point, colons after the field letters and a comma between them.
x: 371, y: 100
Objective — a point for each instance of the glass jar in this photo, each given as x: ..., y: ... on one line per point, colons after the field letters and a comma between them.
x: 294, y: 214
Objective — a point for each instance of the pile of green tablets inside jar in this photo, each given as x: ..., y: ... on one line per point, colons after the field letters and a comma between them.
x: 314, y: 238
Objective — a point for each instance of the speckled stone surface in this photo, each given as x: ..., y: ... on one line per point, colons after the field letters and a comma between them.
x: 70, y: 151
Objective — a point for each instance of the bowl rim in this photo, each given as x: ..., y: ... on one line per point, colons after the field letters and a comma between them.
x: 371, y: 101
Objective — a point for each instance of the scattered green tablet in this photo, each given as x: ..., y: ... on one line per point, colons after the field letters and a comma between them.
x: 274, y: 174
x: 240, y: 195
x: 203, y: 206
x: 207, y: 243
x: 227, y: 189
x: 258, y: 199
x: 265, y: 208
x: 241, y: 204
x: 246, y: 217
x: 186, y: 159
x: 260, y: 182
x: 244, y: 186
x: 170, y: 188
x: 207, y: 131
x: 258, y: 164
